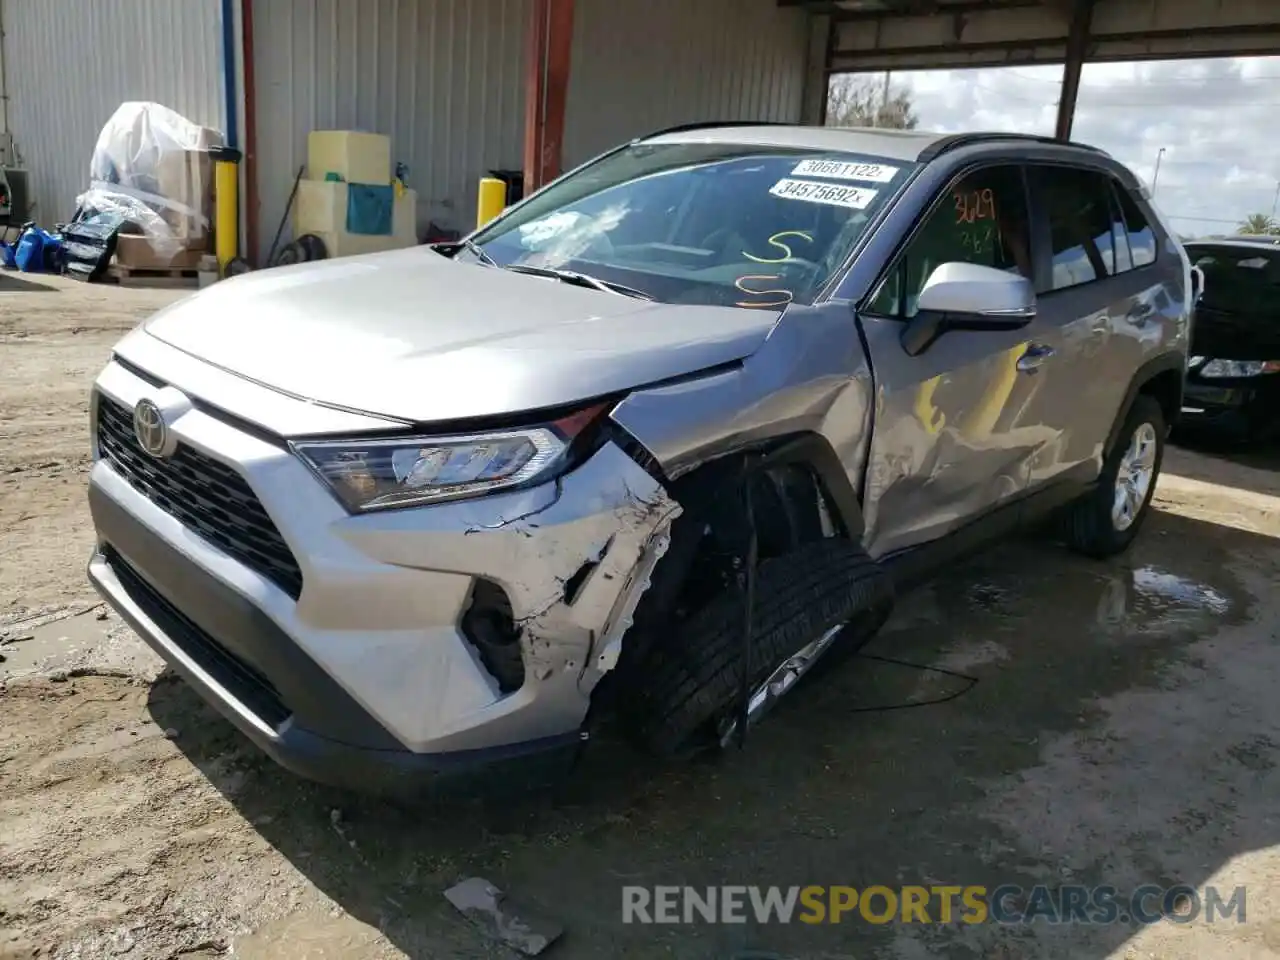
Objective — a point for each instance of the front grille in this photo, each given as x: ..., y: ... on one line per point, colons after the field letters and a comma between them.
x: 208, y: 497
x: 242, y: 681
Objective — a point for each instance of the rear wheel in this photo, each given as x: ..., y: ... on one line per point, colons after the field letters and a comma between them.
x: 1105, y: 521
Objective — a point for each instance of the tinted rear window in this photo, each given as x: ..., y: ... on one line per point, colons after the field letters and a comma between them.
x: 1080, y: 225
x: 1239, y: 280
x: 1142, y: 239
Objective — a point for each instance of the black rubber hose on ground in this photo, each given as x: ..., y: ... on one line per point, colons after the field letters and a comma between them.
x: 748, y: 581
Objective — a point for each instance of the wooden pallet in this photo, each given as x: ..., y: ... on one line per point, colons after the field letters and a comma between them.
x: 128, y: 276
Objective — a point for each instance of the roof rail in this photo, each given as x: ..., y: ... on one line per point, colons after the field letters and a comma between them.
x: 957, y: 140
x: 1267, y: 239
x: 710, y: 125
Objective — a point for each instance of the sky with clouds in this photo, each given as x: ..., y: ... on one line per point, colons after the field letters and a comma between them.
x: 1217, y: 120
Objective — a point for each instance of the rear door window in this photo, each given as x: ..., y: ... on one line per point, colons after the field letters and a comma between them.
x: 1120, y: 231
x: 1142, y: 239
x: 1078, y: 204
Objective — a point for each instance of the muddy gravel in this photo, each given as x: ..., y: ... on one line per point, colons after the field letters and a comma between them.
x: 1114, y: 723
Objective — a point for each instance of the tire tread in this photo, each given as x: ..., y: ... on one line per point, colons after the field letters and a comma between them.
x: 695, y: 676
x: 1086, y: 525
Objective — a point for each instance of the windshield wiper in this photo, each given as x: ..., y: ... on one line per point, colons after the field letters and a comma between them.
x: 453, y: 246
x: 580, y: 280
x: 478, y: 250
x: 471, y: 246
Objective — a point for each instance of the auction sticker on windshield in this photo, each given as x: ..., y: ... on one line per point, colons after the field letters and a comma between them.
x: 844, y: 170
x: 837, y: 195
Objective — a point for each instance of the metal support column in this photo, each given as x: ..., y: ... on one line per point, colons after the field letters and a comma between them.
x: 1077, y: 47
x: 813, y: 108
x: 546, y: 89
x: 250, y: 164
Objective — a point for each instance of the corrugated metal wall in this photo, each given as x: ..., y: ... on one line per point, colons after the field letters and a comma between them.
x: 639, y: 65
x: 70, y: 63
x: 443, y: 78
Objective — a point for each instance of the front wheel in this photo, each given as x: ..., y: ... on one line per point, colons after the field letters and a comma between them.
x: 1104, y: 522
x: 823, y: 599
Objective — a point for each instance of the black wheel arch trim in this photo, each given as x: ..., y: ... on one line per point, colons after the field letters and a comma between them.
x: 811, y: 450
x: 815, y: 452
x: 1164, y: 363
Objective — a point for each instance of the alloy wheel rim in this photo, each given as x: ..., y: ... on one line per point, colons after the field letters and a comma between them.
x: 1134, y: 477
x: 779, y: 683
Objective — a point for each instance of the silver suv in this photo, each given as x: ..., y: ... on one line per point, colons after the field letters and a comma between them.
x: 646, y: 447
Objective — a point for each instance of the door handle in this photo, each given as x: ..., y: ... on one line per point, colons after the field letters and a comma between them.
x: 1139, y: 313
x: 1035, y: 355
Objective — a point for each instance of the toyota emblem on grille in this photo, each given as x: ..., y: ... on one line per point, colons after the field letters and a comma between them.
x: 150, y: 429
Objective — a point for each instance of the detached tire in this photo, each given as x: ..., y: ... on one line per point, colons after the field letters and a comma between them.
x: 1098, y: 525
x: 693, y: 679
x: 312, y: 247
x: 289, y: 254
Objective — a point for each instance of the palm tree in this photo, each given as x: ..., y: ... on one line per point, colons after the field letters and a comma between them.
x: 1259, y: 223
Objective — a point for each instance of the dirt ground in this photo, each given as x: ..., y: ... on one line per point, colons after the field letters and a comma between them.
x: 1124, y: 729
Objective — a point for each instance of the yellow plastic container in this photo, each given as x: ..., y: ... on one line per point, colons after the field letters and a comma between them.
x: 321, y: 208
x: 354, y: 156
x: 342, y: 244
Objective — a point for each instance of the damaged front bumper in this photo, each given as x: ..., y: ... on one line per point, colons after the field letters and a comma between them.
x: 371, y: 667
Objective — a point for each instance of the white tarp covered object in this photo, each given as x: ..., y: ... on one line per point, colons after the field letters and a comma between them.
x: 151, y: 171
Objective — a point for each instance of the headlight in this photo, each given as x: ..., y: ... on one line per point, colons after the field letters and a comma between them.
x: 378, y: 474
x: 1239, y: 368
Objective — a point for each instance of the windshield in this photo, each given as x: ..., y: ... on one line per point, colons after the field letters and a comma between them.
x: 701, y: 223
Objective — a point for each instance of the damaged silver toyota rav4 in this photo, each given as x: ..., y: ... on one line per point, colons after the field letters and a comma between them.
x: 648, y: 446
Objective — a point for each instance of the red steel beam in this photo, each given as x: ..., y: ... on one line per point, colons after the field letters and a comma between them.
x: 250, y: 135
x: 546, y: 89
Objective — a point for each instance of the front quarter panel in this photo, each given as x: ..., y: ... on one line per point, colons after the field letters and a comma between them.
x: 810, y: 376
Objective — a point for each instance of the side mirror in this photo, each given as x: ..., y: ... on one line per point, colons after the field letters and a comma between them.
x: 1197, y: 285
x: 968, y: 296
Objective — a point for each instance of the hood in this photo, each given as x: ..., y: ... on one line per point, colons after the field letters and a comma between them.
x: 416, y: 336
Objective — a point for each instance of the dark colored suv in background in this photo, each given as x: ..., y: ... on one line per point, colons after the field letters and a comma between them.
x: 1233, y: 376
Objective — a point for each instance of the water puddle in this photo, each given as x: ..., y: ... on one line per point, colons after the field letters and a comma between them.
x: 88, y: 639
x: 1148, y: 600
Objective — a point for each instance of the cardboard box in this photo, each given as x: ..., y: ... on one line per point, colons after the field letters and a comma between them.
x: 136, y: 251
x: 185, y: 179
x: 354, y: 156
